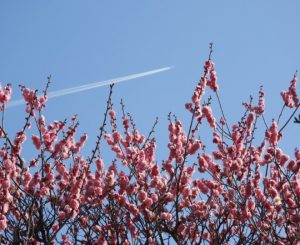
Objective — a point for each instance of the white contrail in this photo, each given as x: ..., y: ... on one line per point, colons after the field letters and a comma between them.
x: 88, y: 86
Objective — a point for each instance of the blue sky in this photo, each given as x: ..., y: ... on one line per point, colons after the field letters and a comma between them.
x: 77, y: 42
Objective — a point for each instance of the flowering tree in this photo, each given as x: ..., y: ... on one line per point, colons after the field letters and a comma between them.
x: 241, y: 192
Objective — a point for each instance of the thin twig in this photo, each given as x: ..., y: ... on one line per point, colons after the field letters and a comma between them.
x: 286, y: 123
x: 280, y: 114
x: 223, y: 114
x: 103, y: 125
x: 210, y: 50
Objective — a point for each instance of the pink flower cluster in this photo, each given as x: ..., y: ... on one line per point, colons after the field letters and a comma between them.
x: 209, y: 69
x: 32, y: 100
x: 290, y: 97
x: 5, y: 95
x: 208, y: 80
x: 260, y: 108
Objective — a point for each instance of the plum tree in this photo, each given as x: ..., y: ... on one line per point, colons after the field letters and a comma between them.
x: 241, y: 192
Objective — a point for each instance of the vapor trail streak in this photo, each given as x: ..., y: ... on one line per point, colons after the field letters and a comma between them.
x: 89, y: 86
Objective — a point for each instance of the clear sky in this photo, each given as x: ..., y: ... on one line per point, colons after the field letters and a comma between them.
x: 78, y: 42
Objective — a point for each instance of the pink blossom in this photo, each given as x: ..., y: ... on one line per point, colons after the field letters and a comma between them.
x: 55, y: 227
x: 133, y: 231
x: 112, y: 113
x: 290, y: 97
x: 74, y: 204
x: 272, y: 135
x: 283, y: 159
x: 116, y: 136
x: 197, y: 96
x: 148, y: 202
x: 290, y: 202
x: 20, y: 138
x: 5, y: 94
x: 203, y: 188
x: 195, y: 147
x: 36, y: 141
x: 110, y: 179
x: 206, y: 110
x: 99, y: 164
x: 250, y: 120
x: 291, y: 166
x: 44, y: 191
x: 126, y: 123
x: 261, y: 103
x: 154, y: 197
x: 212, y: 83
x: 202, y: 164
x: 61, y: 169
x: 43, y: 100
x: 61, y: 215
x: 166, y: 216
x: 169, y: 197
x: 208, y: 66
x: 142, y: 195
x: 8, y: 164
x: 6, y: 183
x: 251, y: 204
x: 155, y: 170
x: 3, y: 222
x: 123, y: 180
x: 83, y: 139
